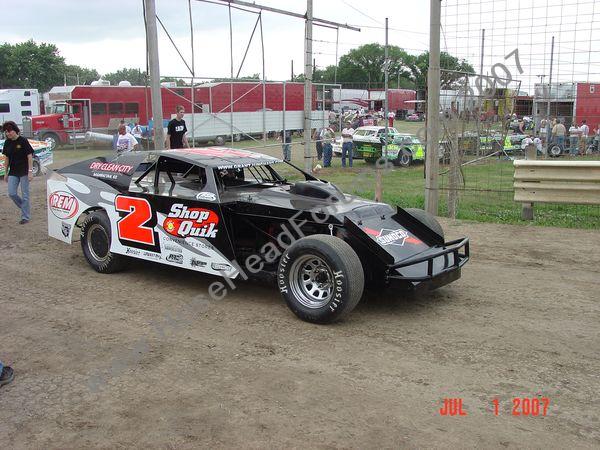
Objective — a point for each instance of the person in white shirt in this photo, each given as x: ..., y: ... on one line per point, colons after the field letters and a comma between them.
x: 573, y: 138
x: 137, y: 133
x: 125, y: 141
x: 347, y: 144
x: 584, y: 131
x: 391, y: 117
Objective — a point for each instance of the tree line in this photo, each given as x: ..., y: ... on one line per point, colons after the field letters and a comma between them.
x: 40, y: 66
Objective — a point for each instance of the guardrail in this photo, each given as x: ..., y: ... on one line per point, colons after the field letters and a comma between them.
x: 575, y: 182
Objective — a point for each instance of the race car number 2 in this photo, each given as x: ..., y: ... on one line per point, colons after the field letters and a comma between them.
x: 134, y: 225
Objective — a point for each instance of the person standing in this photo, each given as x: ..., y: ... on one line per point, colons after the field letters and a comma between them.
x: 584, y: 131
x: 6, y: 374
x: 573, y: 138
x: 559, y: 131
x: 597, y: 138
x: 176, y: 131
x: 316, y: 137
x: 138, y: 134
x: 19, y: 168
x: 391, y: 117
x: 125, y: 141
x: 286, y: 139
x: 347, y: 145
x: 327, y: 136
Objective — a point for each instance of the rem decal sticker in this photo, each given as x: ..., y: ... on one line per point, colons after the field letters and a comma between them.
x: 63, y: 204
x: 197, y: 222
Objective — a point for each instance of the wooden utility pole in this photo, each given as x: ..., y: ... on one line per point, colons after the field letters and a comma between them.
x: 384, y: 162
x: 154, y: 69
x: 308, y: 74
x: 433, y: 109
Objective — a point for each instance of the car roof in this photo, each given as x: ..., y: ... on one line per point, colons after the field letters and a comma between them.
x: 372, y: 127
x: 220, y: 157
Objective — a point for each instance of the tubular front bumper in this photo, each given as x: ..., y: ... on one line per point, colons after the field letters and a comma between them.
x: 454, y: 254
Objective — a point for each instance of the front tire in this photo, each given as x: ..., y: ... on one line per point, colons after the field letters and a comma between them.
x: 95, y: 244
x: 52, y: 139
x: 321, y: 278
x: 428, y: 219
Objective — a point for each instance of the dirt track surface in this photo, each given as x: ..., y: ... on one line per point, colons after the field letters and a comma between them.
x: 117, y: 360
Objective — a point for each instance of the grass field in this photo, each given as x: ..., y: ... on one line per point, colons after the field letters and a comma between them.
x: 487, y: 194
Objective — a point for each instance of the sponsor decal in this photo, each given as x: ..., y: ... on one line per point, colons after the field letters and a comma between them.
x: 197, y: 222
x: 132, y: 251
x: 151, y: 255
x: 66, y: 229
x: 111, y: 167
x: 195, y: 243
x: 173, y: 248
x: 63, y: 205
x: 206, y: 196
x: 391, y: 237
x: 175, y: 258
x: 197, y: 263
x: 220, y: 266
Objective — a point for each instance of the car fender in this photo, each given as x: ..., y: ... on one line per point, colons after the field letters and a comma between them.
x: 70, y: 197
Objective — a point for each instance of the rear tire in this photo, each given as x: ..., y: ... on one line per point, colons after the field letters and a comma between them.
x: 554, y: 151
x: 404, y: 159
x: 36, y: 168
x: 95, y: 244
x: 321, y: 278
x: 220, y: 140
x: 428, y: 219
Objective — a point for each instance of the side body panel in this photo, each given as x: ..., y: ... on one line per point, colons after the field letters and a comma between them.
x: 177, y: 232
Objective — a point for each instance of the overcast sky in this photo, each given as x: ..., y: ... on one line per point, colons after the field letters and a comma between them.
x: 109, y: 34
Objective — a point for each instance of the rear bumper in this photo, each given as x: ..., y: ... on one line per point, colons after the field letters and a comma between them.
x: 436, y: 268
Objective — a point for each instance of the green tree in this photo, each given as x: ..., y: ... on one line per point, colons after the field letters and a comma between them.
x: 79, y: 75
x: 30, y: 65
x: 420, y: 65
x: 135, y: 76
x: 364, y: 66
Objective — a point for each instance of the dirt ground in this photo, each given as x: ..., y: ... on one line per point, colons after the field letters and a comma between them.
x: 118, y: 360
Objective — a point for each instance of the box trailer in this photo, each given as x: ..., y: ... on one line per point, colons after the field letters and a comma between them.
x: 18, y: 103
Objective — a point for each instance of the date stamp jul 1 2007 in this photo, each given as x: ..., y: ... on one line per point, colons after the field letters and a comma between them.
x: 521, y: 406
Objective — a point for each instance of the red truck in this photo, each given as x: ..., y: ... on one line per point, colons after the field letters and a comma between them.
x: 74, y: 110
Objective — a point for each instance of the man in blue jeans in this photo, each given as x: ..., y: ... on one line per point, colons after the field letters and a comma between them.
x: 19, y: 167
x: 347, y: 144
x: 6, y: 374
x: 327, y: 136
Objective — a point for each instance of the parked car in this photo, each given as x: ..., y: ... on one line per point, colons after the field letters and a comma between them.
x: 234, y: 214
x: 42, y: 156
x: 405, y: 149
x: 415, y: 117
x: 368, y: 141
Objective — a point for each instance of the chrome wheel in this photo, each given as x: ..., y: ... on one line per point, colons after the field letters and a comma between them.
x: 311, y: 281
x: 98, y: 242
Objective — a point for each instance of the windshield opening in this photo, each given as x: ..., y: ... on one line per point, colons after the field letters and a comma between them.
x: 260, y: 175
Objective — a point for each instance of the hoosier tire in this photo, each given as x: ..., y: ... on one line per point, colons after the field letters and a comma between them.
x: 427, y: 219
x: 95, y: 243
x: 321, y: 278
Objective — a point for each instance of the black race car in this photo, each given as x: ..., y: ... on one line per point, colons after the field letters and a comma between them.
x: 238, y: 214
